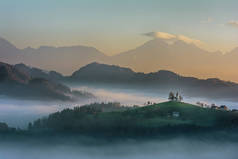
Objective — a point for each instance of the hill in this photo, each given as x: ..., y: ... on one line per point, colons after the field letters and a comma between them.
x: 19, y: 84
x: 161, y: 81
x: 34, y: 72
x: 9, y: 73
x: 168, y: 117
x: 94, y: 72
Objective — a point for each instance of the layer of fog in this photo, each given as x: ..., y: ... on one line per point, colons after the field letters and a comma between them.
x: 140, y: 97
x: 18, y: 113
x: 169, y: 149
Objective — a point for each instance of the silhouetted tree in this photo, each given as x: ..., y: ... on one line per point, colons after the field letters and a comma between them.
x: 171, y: 96
x: 175, y: 97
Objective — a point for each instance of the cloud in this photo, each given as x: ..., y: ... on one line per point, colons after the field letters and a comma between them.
x: 233, y: 24
x: 160, y: 35
x: 171, y: 38
x: 189, y: 40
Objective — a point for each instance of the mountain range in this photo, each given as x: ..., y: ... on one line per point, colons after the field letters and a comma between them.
x: 61, y: 59
x: 161, y: 81
x: 156, y: 54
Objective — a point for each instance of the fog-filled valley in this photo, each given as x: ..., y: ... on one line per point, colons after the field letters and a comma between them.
x: 18, y: 112
x: 176, y: 148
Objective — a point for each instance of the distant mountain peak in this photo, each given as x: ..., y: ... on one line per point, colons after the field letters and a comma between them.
x: 5, y: 43
x: 105, y: 67
x: 38, y: 73
x: 9, y: 73
x: 166, y: 73
x: 103, y: 72
x: 8, y: 52
x: 154, y: 43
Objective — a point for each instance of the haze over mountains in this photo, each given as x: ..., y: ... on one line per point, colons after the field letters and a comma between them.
x: 179, y: 56
x: 160, y: 82
x: 61, y: 59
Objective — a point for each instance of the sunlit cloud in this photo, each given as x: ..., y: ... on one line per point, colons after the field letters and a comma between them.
x: 189, y: 40
x: 233, y: 24
x: 161, y: 35
x: 172, y: 37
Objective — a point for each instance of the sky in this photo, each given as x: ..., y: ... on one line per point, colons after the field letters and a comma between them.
x: 114, y: 26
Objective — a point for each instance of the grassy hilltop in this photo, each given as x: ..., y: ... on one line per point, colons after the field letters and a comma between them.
x: 167, y: 117
x: 162, y: 114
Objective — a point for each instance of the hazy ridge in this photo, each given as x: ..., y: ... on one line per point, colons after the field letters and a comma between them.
x: 155, y: 54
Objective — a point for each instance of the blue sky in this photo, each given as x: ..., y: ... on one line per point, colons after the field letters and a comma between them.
x: 114, y: 26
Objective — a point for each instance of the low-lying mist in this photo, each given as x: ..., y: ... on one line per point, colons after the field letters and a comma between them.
x: 129, y: 149
x: 140, y: 97
x: 17, y: 113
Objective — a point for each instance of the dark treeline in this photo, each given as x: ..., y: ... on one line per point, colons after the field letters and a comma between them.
x: 112, y: 119
x: 115, y: 120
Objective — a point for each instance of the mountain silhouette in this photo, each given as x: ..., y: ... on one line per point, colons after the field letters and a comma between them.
x: 160, y: 81
x: 178, y: 56
x: 34, y: 72
x: 156, y: 54
x: 20, y: 84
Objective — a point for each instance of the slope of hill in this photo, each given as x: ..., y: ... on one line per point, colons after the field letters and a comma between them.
x: 162, y: 81
x: 9, y: 73
x: 15, y: 83
x: 148, y: 120
x: 101, y: 72
x: 39, y: 73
